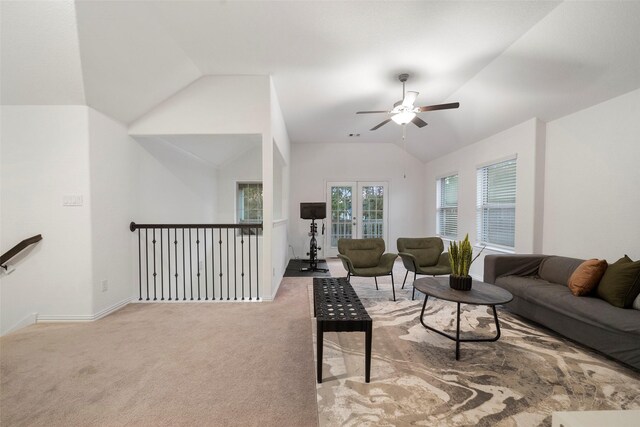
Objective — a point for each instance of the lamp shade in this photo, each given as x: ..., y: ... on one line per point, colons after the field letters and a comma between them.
x: 403, y: 117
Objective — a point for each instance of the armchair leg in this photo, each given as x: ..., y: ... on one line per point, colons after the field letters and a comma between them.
x: 413, y: 294
x: 349, y: 277
x: 393, y: 287
x: 376, y: 279
x: 405, y: 278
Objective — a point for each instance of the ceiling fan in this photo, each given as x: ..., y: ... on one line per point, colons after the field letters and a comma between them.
x: 404, y: 111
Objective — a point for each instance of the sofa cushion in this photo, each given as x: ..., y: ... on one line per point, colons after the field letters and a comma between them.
x: 586, y: 309
x: 520, y: 285
x: 558, y: 269
x: 620, y: 284
x: 559, y: 299
x: 587, y: 276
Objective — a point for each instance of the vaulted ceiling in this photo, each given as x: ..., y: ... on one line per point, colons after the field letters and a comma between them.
x: 505, y: 62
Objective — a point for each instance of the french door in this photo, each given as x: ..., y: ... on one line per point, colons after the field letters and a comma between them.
x: 356, y: 210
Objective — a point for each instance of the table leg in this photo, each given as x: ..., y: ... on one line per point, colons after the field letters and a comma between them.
x: 424, y: 305
x: 367, y: 362
x: 495, y: 317
x: 458, y: 334
x: 319, y: 344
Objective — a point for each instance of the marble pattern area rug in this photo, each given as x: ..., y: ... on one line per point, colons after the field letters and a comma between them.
x: 416, y: 381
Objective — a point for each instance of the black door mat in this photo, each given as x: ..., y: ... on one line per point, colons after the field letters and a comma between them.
x: 293, y: 269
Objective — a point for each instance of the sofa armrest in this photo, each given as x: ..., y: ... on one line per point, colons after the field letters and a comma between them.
x: 409, y: 261
x: 510, y: 265
x: 387, y: 260
x: 346, y: 263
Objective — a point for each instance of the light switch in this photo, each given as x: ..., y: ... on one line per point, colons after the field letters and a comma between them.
x: 72, y: 200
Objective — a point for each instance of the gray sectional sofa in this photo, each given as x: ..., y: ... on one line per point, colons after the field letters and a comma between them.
x: 540, y: 293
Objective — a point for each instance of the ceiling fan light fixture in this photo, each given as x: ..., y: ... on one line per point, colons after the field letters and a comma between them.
x: 403, y: 117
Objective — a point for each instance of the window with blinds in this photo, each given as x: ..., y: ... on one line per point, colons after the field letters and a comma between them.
x: 447, y: 202
x: 496, y: 204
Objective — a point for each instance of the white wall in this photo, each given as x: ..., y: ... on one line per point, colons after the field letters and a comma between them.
x: 173, y: 185
x: 592, y: 200
x: 525, y: 141
x: 114, y: 160
x: 278, y: 196
x: 45, y: 155
x: 246, y: 168
x: 313, y: 165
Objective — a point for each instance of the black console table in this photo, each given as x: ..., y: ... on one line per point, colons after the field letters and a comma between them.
x: 337, y: 308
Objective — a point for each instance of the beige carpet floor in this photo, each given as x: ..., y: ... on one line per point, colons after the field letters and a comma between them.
x: 166, y: 365
x: 518, y: 381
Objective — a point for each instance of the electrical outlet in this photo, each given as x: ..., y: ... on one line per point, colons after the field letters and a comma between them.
x: 105, y: 285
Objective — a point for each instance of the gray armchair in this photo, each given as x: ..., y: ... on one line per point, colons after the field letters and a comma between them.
x: 423, y: 256
x: 366, y: 258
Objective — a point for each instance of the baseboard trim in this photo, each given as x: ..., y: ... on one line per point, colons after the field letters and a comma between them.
x: 115, y: 307
x: 62, y: 318
x: 27, y: 321
x: 202, y: 301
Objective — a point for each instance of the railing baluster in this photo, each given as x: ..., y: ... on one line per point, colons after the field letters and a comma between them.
x: 206, y: 279
x: 184, y: 270
x: 228, y: 274
x: 175, y: 246
x: 242, y: 262
x: 190, y: 265
x: 139, y: 265
x: 257, y: 269
x: 161, y: 268
x: 169, y: 261
x: 146, y: 252
x: 213, y: 265
x: 249, y: 239
x: 154, y: 265
x: 220, y: 244
x: 235, y: 267
x: 198, y: 259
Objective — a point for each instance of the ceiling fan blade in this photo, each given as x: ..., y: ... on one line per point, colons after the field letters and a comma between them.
x: 419, y: 122
x: 409, y: 99
x: 439, y: 107
x: 380, y: 124
x: 371, y: 112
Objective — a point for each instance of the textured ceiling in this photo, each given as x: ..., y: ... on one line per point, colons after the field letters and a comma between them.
x: 505, y: 62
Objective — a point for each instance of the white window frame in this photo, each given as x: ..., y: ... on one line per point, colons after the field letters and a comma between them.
x: 440, y: 182
x: 238, y: 201
x: 482, y: 204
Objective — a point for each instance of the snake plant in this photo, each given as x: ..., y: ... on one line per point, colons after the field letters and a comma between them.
x: 461, y: 257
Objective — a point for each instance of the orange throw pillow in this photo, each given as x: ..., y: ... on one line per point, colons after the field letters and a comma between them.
x: 587, y: 276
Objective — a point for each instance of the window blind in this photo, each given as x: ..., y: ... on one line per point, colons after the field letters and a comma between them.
x: 496, y: 204
x: 447, y: 217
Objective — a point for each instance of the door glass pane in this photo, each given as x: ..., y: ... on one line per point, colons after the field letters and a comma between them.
x: 372, y: 211
x: 341, y: 214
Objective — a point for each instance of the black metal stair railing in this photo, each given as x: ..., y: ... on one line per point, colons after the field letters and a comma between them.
x: 229, y: 251
x: 5, y: 257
